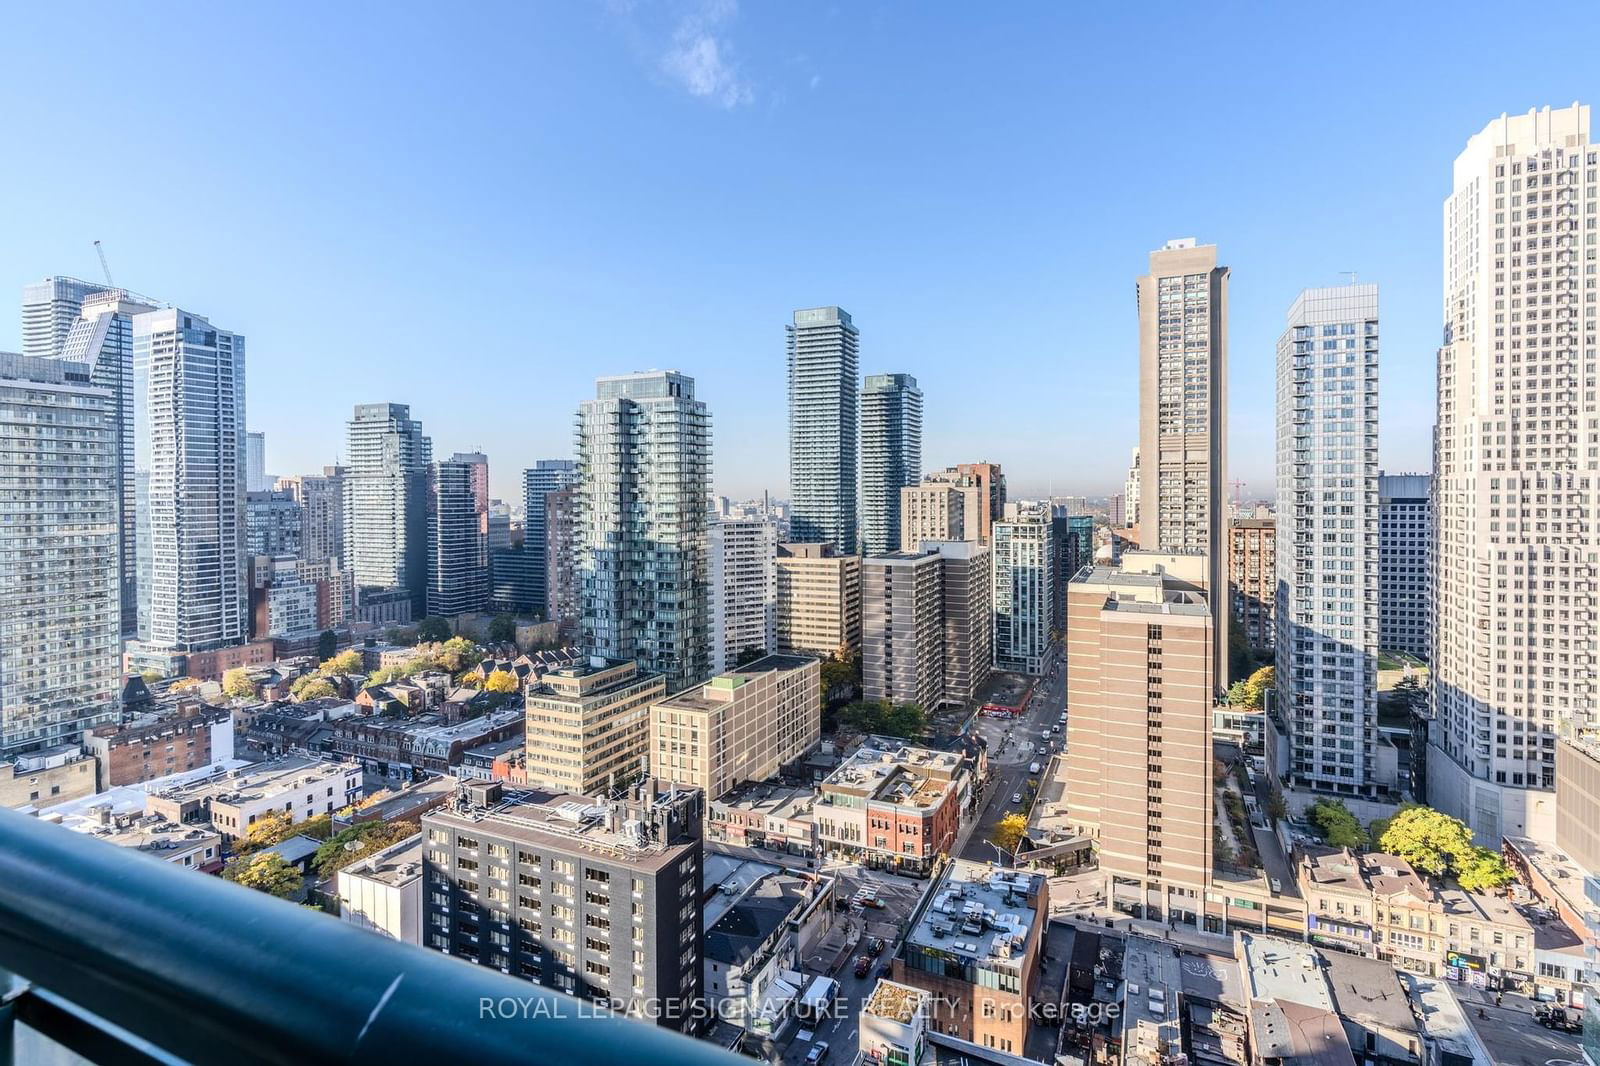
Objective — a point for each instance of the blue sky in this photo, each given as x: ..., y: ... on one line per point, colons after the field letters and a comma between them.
x: 478, y: 210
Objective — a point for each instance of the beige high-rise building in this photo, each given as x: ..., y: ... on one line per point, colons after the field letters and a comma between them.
x: 1183, y: 405
x: 742, y: 725
x: 989, y: 507
x: 937, y: 510
x: 819, y: 600
x: 588, y: 725
x: 1516, y: 525
x: 1139, y: 699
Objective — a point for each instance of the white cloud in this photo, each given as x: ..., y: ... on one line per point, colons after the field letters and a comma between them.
x: 701, y: 60
x: 816, y: 80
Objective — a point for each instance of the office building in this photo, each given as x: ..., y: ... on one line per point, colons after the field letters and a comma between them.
x: 513, y: 583
x: 458, y: 572
x: 274, y: 523
x: 819, y: 600
x: 926, y: 620
x: 937, y: 510
x: 644, y: 462
x: 1024, y: 591
x: 744, y: 589
x: 103, y: 337
x: 1253, y: 579
x: 255, y: 463
x: 891, y: 455
x: 189, y: 444
x: 538, y: 482
x: 1405, y: 563
x: 565, y: 607
x: 1515, y: 530
x: 824, y: 366
x: 967, y: 602
x: 990, y: 483
x: 981, y: 971
x: 588, y: 725
x: 60, y: 614
x: 902, y: 629
x: 1183, y: 406
x: 1327, y: 577
x: 386, y: 503
x: 745, y: 724
x: 596, y: 897
x: 1139, y: 698
x: 50, y: 310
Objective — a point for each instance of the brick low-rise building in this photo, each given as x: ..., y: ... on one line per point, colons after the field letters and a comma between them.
x: 190, y: 736
x: 893, y: 806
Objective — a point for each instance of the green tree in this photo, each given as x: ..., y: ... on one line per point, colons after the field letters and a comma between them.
x: 502, y: 629
x: 327, y: 645
x: 1008, y: 831
x: 316, y: 688
x: 237, y: 683
x: 1439, y: 845
x: 1277, y: 806
x: 433, y: 629
x: 1333, y: 820
x: 356, y: 842
x: 1410, y: 693
x: 1483, y: 871
x: 1238, y: 694
x: 841, y: 672
x: 750, y: 655
x: 907, y: 720
x: 264, y: 871
x: 501, y: 682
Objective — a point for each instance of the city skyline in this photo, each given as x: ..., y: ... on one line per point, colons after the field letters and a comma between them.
x: 1047, y: 278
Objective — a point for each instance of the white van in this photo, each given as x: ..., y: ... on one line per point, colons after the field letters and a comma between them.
x: 1033, y: 768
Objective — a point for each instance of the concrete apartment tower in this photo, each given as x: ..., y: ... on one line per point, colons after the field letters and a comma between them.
x: 937, y: 510
x: 1183, y: 404
x: 386, y: 502
x: 824, y: 368
x: 644, y: 471
x: 60, y: 656
x: 744, y: 588
x: 1405, y: 563
x: 1130, y: 492
x: 891, y: 455
x: 1139, y: 693
x: 1514, y: 473
x: 538, y: 482
x: 1327, y: 586
x: 990, y: 484
x: 1024, y: 566
x: 255, y: 463
x: 819, y: 600
x: 102, y: 336
x: 189, y: 442
x: 1253, y: 579
x: 50, y: 310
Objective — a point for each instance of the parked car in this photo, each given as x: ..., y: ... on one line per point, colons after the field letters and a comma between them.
x: 863, y: 965
x: 1557, y: 1018
x: 818, y: 1052
x: 1016, y: 797
x: 1033, y: 768
x: 875, y: 946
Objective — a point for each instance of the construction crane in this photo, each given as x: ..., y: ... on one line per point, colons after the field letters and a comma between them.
x: 1238, y: 494
x: 104, y: 266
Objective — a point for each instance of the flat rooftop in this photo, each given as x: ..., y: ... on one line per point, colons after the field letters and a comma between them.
x: 566, y: 822
x: 1559, y: 869
x: 895, y: 772
x: 892, y: 1000
x: 719, y: 873
x: 769, y: 798
x: 1284, y: 970
x: 258, y: 780
x: 707, y: 696
x: 978, y: 912
x: 1368, y: 992
x: 395, y: 867
x: 1152, y: 979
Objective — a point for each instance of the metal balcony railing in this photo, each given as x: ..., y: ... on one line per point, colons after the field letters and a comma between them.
x: 108, y: 956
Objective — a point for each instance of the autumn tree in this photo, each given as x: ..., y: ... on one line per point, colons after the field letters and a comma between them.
x: 264, y: 871
x: 184, y: 684
x: 458, y: 654
x: 267, y: 830
x: 237, y: 684
x: 346, y: 662
x: 316, y: 688
x: 1007, y: 833
x: 501, y: 682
